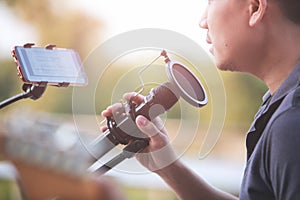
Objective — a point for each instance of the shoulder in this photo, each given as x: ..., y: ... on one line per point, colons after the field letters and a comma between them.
x: 282, y: 153
x: 282, y: 139
x: 282, y: 135
x: 284, y: 128
x: 286, y: 119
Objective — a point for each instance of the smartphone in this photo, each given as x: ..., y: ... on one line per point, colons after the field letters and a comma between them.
x: 57, y: 66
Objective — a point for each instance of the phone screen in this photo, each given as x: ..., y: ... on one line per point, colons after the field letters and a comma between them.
x: 54, y: 66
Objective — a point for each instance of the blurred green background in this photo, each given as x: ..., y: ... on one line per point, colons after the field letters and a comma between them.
x: 56, y: 22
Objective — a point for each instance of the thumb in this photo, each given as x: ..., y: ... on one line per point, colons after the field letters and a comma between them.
x: 146, y: 126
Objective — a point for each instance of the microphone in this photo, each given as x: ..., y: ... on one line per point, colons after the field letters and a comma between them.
x: 121, y: 125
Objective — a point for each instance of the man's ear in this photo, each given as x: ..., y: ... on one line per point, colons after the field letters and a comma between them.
x: 257, y: 9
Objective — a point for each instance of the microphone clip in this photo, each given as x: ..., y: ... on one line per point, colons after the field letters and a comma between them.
x: 119, y: 136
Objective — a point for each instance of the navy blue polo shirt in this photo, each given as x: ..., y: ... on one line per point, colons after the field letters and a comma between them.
x: 273, y: 164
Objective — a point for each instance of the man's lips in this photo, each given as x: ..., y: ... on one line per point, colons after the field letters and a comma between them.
x: 208, y: 40
x: 211, y: 49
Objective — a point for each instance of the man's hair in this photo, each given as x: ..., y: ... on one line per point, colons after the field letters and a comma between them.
x: 291, y: 9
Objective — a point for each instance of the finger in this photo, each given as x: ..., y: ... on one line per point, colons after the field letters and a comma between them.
x: 134, y: 97
x: 146, y: 126
x: 158, y: 138
x: 103, y: 128
x: 111, y: 109
x: 106, y: 113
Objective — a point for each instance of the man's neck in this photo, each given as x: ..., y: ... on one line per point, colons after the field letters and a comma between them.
x: 277, y: 74
x: 283, y: 56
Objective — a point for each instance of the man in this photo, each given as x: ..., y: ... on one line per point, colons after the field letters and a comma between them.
x: 261, y: 37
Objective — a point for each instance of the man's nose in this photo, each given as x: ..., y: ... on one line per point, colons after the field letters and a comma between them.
x: 203, y: 20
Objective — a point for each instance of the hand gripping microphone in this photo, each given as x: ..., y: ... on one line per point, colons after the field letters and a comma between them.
x: 121, y: 125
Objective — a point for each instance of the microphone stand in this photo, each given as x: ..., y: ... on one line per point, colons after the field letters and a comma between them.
x: 128, y: 152
x: 30, y: 91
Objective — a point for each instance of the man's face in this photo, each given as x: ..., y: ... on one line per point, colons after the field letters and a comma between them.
x: 233, y: 42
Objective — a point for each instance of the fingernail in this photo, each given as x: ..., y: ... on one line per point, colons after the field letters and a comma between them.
x: 142, y: 121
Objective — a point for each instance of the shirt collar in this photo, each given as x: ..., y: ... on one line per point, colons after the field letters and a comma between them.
x: 266, y: 97
x: 290, y: 83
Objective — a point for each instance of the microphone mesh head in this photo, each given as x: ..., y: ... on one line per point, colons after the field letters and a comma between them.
x: 187, y: 84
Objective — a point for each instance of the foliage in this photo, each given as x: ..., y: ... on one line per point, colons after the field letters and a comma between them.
x: 244, y: 95
x: 8, y: 79
x: 58, y: 24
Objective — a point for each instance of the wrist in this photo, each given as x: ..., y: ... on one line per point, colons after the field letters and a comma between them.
x: 169, y: 169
